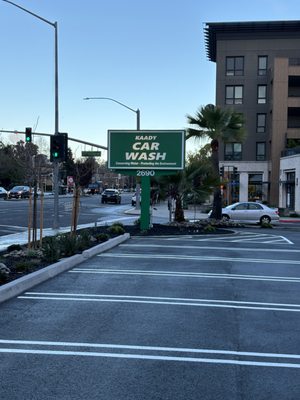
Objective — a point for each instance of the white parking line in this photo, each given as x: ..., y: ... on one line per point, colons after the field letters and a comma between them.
x: 240, y: 237
x: 214, y: 248
x: 198, y: 258
x: 247, y: 305
x: 185, y: 274
x: 157, y: 353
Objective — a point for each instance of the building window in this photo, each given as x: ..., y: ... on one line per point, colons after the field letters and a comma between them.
x: 262, y: 65
x: 234, y: 95
x: 233, y: 151
x: 255, y: 189
x: 290, y: 190
x: 261, y: 120
x: 261, y: 94
x: 260, y: 151
x: 234, y: 66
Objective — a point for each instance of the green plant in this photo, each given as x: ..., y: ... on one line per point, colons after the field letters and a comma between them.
x: 266, y: 225
x: 116, y: 229
x: 24, y: 265
x: 137, y: 221
x: 51, y: 250
x: 118, y: 224
x: 68, y: 244
x: 209, y: 228
x: 83, y: 240
x: 102, y: 237
x: 31, y: 253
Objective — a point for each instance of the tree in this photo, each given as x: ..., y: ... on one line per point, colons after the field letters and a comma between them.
x: 219, y: 125
x: 193, y: 183
x: 16, y: 163
x: 82, y: 172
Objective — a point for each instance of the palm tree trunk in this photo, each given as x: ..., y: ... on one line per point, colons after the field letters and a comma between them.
x: 217, y: 202
x: 179, y: 213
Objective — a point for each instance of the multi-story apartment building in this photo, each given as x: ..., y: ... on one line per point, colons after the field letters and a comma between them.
x: 258, y: 75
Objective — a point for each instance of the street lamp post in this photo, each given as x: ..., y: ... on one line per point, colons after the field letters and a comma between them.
x: 138, y: 127
x: 56, y: 132
x: 121, y: 104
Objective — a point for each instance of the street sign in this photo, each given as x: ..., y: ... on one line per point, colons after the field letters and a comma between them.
x: 91, y: 153
x: 146, y: 150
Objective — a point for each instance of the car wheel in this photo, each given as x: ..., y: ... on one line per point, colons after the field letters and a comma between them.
x: 225, y: 217
x: 265, y: 220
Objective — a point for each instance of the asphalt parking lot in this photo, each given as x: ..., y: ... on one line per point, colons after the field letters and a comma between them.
x: 161, y: 318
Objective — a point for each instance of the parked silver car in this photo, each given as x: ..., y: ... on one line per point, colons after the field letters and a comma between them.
x: 248, y: 211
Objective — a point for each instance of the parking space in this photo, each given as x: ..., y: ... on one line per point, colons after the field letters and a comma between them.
x: 161, y: 318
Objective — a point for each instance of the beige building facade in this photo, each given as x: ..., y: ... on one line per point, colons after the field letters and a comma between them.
x: 258, y: 75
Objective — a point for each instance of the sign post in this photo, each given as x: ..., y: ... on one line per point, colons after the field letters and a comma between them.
x: 146, y: 154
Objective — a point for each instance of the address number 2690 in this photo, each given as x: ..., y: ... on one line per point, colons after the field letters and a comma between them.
x: 145, y: 172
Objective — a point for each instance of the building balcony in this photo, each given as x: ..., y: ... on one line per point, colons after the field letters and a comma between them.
x: 290, y: 152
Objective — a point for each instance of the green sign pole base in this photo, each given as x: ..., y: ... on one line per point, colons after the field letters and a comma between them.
x: 145, y: 203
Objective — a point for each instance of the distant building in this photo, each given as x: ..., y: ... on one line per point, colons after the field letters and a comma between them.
x: 258, y: 74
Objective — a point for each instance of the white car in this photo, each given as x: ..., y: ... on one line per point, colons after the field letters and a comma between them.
x: 249, y: 211
x: 133, y: 199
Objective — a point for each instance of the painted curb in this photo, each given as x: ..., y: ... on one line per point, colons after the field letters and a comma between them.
x: 14, y: 288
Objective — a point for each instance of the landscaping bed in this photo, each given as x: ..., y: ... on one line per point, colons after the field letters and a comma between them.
x: 19, y: 260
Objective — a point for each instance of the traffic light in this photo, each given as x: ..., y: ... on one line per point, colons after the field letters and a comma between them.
x: 28, y: 135
x: 222, y: 171
x: 58, y: 147
x: 235, y: 172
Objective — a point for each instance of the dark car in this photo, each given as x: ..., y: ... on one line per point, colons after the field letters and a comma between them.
x: 3, y: 192
x: 19, y: 192
x: 111, y: 196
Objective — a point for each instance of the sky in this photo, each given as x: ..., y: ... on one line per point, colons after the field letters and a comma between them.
x: 147, y: 54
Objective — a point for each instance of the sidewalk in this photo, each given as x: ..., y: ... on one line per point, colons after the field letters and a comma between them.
x: 161, y: 211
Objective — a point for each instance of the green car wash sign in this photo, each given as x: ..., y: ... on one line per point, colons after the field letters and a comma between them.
x: 155, y: 150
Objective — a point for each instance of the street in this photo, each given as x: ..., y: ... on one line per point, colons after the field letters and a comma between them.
x: 203, y: 317
x: 14, y: 213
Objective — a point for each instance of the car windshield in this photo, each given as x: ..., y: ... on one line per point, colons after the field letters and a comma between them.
x: 18, y: 188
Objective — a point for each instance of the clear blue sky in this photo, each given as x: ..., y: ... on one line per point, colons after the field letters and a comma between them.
x: 148, y: 54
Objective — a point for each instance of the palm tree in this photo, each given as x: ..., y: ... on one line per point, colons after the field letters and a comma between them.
x: 194, y: 182
x: 219, y: 125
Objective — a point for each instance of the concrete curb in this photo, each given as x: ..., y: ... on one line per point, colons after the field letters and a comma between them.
x: 14, y: 288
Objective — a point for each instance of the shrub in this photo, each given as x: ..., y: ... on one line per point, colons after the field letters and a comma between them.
x: 118, y: 224
x: 266, y: 225
x: 209, y: 228
x: 84, y: 240
x: 116, y: 229
x: 68, y: 244
x: 14, y: 247
x: 102, y: 237
x: 24, y: 266
x: 51, y: 250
